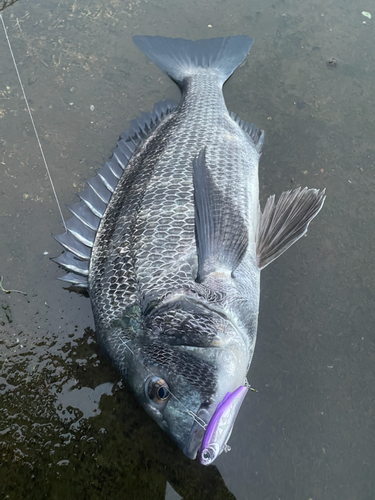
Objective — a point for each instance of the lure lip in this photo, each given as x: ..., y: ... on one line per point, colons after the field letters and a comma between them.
x: 197, y: 433
x: 221, y: 425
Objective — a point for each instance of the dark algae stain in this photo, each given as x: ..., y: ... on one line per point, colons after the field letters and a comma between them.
x: 6, y: 314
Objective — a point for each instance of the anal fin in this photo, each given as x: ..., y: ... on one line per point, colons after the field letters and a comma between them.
x: 220, y: 231
x: 284, y: 223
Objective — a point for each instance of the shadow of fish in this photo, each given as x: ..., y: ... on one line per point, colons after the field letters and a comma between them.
x: 169, y: 240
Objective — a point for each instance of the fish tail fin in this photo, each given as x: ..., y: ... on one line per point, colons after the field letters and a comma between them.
x: 179, y: 58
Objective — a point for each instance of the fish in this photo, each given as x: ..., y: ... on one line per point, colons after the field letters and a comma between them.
x: 169, y: 240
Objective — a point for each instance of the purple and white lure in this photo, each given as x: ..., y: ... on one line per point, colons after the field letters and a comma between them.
x: 220, y: 426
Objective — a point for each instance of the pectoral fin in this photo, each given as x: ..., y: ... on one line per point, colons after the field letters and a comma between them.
x: 220, y: 231
x: 283, y: 224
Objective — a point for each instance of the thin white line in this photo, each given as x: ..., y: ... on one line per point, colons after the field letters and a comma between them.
x: 32, y: 121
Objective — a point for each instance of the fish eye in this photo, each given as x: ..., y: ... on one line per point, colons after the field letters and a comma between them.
x: 159, y: 390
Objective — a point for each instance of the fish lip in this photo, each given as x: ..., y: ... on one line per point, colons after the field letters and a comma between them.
x: 198, y: 429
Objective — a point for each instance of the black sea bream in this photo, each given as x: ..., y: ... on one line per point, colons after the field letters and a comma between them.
x: 169, y: 240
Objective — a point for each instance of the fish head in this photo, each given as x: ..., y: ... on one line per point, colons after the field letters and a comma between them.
x: 188, y: 361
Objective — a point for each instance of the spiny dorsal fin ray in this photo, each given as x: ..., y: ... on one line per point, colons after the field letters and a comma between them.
x: 80, y: 231
x: 84, y: 214
x: 87, y: 213
x: 283, y: 224
x: 74, y: 279
x: 73, y: 263
x: 221, y: 234
x: 254, y: 132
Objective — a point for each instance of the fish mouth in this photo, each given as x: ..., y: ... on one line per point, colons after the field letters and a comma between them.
x: 201, y: 420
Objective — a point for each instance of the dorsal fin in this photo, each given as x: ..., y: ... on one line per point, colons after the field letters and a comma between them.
x: 87, y: 213
x: 254, y: 132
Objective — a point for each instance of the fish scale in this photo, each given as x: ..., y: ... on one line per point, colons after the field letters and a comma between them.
x: 167, y: 213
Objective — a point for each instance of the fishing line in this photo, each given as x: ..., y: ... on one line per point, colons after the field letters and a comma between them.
x: 32, y: 121
x: 195, y: 417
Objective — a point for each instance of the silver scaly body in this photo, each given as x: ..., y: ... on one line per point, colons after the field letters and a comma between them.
x: 174, y: 263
